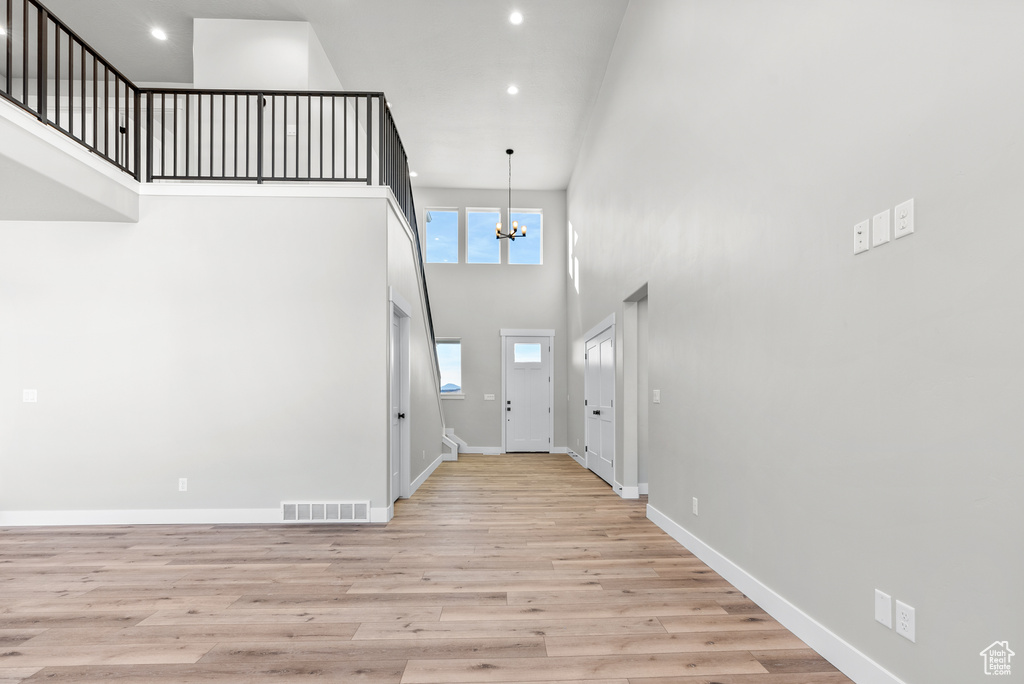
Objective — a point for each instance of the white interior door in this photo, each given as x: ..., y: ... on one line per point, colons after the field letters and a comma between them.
x: 599, y: 402
x: 397, y: 410
x: 527, y: 394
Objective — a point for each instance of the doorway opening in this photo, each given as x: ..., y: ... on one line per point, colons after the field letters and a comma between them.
x: 398, y: 400
x: 635, y: 407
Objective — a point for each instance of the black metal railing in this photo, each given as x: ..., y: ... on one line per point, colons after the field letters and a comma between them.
x: 52, y: 73
x: 261, y: 135
x: 199, y: 135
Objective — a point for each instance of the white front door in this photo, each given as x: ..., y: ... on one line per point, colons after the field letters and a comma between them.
x: 397, y: 412
x: 527, y: 394
x: 599, y: 401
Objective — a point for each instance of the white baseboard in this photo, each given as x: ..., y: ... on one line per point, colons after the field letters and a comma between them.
x: 452, y: 446
x: 851, y: 662
x: 486, y: 451
x: 627, y: 492
x: 415, y: 484
x: 171, y: 516
x: 450, y: 434
x: 576, y: 457
x: 642, y: 488
x: 559, y: 450
x: 382, y: 515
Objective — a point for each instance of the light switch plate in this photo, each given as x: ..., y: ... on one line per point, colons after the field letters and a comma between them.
x: 860, y: 237
x: 30, y: 396
x: 904, y: 221
x: 883, y: 608
x: 656, y: 396
x: 880, y: 229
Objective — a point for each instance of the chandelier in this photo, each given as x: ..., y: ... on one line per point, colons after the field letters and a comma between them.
x: 516, y: 230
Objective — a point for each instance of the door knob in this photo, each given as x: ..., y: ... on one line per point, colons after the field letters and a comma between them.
x: 401, y: 415
x: 597, y: 413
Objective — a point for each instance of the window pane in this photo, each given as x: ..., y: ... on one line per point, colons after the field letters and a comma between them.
x: 442, y: 237
x: 526, y: 352
x: 449, y: 358
x: 526, y: 250
x: 481, y: 245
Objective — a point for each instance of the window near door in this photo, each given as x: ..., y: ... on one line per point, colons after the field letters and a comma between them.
x: 481, y: 245
x: 527, y: 250
x: 449, y: 358
x: 442, y: 236
x: 526, y: 352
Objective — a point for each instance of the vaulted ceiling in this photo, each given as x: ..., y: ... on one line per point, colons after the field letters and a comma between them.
x: 444, y: 65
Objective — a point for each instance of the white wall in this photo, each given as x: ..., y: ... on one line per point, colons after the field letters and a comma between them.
x: 848, y: 423
x: 252, y: 54
x: 475, y: 301
x: 238, y: 341
x: 425, y: 413
x: 45, y: 174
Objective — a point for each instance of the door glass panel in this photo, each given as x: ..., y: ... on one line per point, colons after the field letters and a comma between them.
x: 527, y: 352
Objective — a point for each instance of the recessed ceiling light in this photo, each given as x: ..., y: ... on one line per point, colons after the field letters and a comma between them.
x: 413, y: 174
x: 3, y: 31
x: 513, y: 89
x: 516, y: 17
x: 159, y: 34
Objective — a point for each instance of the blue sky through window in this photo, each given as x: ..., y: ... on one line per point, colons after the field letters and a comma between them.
x: 442, y: 237
x: 526, y: 250
x: 481, y: 245
x: 449, y: 358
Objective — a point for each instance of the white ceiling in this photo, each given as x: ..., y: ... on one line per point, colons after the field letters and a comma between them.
x: 443, y: 64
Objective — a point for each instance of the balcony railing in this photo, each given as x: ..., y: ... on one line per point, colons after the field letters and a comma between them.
x: 46, y: 69
x: 198, y: 135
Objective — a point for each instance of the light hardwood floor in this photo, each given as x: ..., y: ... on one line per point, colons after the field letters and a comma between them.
x: 522, y: 568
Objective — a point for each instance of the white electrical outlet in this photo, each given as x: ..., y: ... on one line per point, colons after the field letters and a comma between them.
x: 182, y: 484
x: 904, y: 219
x: 695, y: 505
x: 905, y: 621
x: 488, y: 397
x: 883, y: 608
x: 29, y: 396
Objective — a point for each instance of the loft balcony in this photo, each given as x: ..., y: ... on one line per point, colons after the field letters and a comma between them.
x: 152, y: 135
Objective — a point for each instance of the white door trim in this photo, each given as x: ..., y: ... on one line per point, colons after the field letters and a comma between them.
x: 549, y: 334
x: 401, y: 308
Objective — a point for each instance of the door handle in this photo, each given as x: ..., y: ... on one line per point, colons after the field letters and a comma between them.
x: 401, y: 416
x: 597, y: 413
